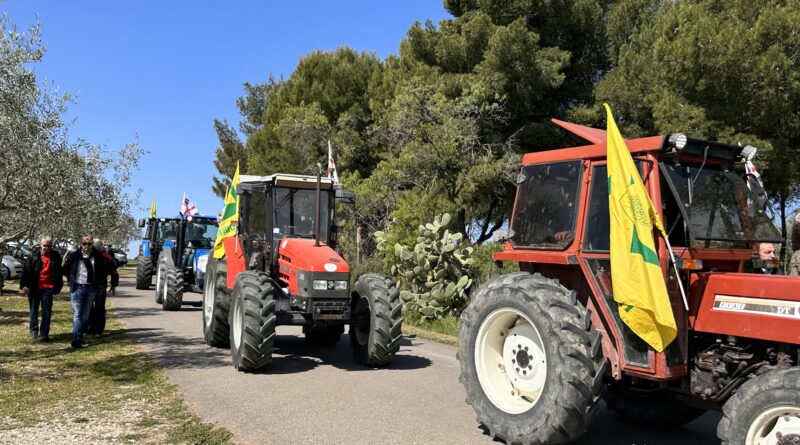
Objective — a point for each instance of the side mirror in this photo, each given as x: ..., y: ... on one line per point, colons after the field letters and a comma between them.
x: 141, y: 223
x: 345, y: 196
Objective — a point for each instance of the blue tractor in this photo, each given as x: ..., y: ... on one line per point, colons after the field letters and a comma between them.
x: 155, y: 234
x: 182, y: 264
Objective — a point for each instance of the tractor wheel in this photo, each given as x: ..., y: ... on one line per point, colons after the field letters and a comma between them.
x: 172, y: 292
x: 216, y: 302
x: 144, y: 272
x: 324, y: 335
x: 654, y: 409
x: 530, y: 360
x: 376, y: 320
x: 160, y: 274
x: 765, y: 410
x: 252, y: 321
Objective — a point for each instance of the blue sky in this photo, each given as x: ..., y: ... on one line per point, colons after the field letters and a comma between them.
x: 163, y: 70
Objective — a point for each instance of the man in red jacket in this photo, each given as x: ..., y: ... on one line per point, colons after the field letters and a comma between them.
x: 40, y: 280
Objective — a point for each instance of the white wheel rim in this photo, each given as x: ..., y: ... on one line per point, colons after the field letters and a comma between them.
x: 237, y: 323
x: 208, y: 299
x: 510, y: 361
x: 783, y: 420
x: 164, y: 291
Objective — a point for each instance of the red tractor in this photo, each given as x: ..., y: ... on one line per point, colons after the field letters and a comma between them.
x: 282, y: 269
x: 540, y: 348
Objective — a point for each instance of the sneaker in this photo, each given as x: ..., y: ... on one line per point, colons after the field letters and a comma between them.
x: 46, y: 340
x: 76, y: 344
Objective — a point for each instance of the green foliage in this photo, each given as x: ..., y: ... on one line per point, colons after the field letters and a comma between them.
x: 434, y: 275
x: 484, y: 267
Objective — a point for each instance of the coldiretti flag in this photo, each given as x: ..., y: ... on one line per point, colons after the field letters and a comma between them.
x: 153, y: 209
x: 230, y: 214
x: 636, y: 275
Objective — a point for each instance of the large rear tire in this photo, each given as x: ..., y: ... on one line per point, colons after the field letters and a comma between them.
x: 252, y: 321
x: 377, y: 321
x: 654, y: 409
x: 144, y: 272
x: 216, y: 303
x: 765, y: 410
x: 530, y: 360
x: 172, y: 289
x: 324, y: 335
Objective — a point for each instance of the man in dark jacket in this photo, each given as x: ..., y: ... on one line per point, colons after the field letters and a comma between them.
x: 40, y: 280
x: 87, y: 272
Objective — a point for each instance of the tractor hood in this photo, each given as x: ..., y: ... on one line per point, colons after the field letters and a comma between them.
x: 303, y: 255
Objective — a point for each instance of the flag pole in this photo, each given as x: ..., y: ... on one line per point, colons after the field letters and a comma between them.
x: 677, y: 274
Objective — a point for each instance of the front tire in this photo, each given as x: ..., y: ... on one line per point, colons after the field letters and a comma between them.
x: 764, y: 410
x: 530, y: 360
x: 377, y: 322
x: 252, y: 321
x: 216, y: 303
x: 172, y: 295
x: 144, y: 272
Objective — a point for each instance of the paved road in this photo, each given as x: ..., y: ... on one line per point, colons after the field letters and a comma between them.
x: 319, y: 395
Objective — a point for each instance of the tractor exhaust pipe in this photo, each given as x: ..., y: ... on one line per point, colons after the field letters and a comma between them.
x: 316, y: 210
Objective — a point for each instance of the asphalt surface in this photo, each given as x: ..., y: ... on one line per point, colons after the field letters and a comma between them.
x: 320, y: 395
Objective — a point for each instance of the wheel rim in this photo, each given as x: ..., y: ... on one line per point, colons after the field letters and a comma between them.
x: 766, y: 427
x: 238, y: 321
x: 510, y: 361
x: 158, y: 280
x: 164, y: 290
x: 208, y: 299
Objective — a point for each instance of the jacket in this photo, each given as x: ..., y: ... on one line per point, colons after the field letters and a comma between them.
x: 104, y: 267
x: 33, y: 265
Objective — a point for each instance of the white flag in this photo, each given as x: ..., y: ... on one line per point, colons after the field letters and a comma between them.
x: 188, y: 207
x: 332, y: 165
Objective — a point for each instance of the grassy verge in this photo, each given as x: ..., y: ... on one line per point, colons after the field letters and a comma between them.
x: 444, y: 330
x: 107, y: 392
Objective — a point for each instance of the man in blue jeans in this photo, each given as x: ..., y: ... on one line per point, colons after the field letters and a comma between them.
x: 40, y: 280
x: 87, y: 272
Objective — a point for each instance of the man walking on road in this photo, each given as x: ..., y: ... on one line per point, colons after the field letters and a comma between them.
x: 41, y: 279
x: 97, y: 315
x: 87, y: 272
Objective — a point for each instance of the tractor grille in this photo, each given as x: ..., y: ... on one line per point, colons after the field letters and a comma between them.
x: 330, y: 310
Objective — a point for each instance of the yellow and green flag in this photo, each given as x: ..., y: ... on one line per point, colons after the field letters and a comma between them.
x: 153, y: 209
x: 230, y: 215
x: 636, y: 276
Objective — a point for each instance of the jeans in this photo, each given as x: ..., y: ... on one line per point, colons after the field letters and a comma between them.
x: 81, y: 300
x: 43, y: 297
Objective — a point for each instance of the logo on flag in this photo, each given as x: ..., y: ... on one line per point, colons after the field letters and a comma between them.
x: 332, y: 174
x: 188, y: 207
x: 636, y: 276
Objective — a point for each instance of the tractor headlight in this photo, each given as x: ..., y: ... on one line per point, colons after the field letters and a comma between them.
x: 330, y: 285
x: 201, y: 263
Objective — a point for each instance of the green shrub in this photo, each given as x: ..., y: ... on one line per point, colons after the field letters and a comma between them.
x: 484, y: 267
x: 435, y: 275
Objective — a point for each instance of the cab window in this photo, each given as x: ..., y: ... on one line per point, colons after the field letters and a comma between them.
x: 545, y: 208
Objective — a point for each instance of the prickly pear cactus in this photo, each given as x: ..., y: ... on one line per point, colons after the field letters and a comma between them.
x: 435, y: 274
